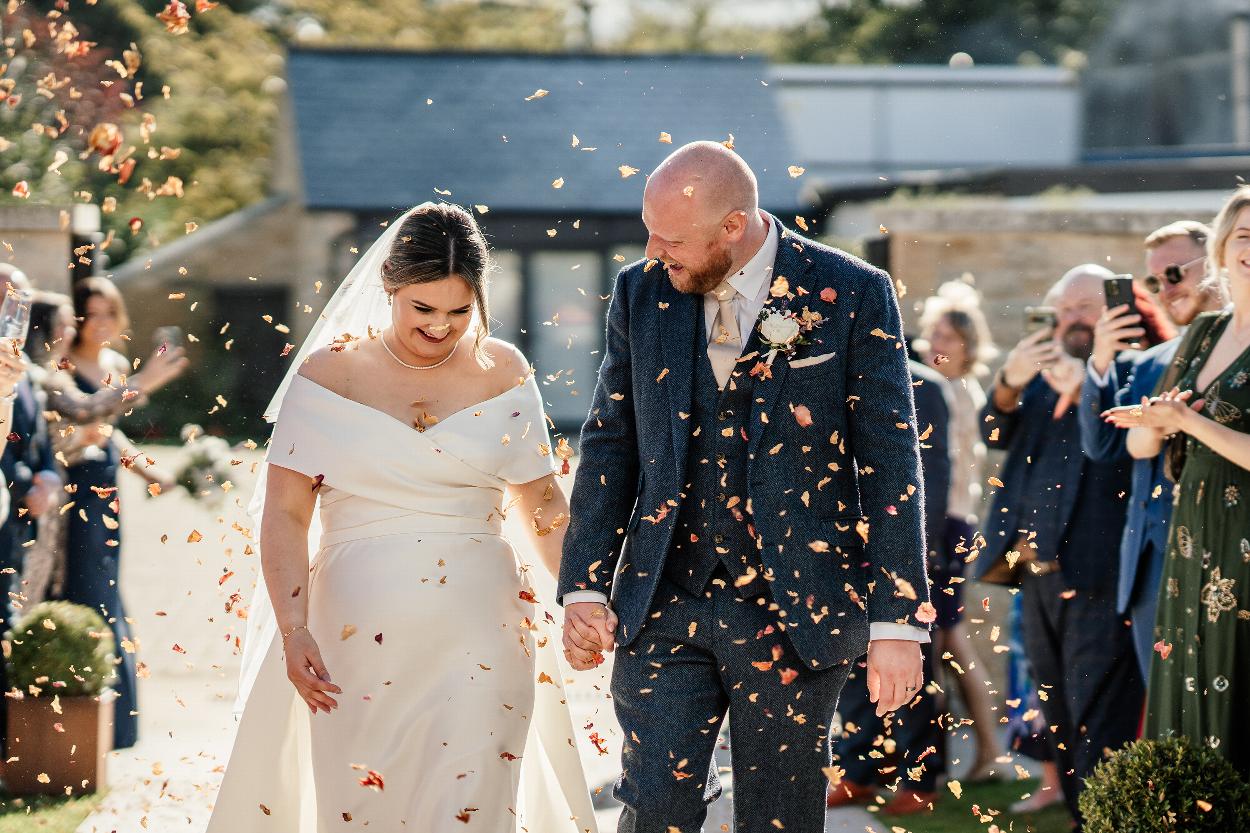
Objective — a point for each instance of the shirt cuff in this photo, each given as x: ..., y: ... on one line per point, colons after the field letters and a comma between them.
x: 885, y: 630
x: 1101, y: 381
x: 584, y: 596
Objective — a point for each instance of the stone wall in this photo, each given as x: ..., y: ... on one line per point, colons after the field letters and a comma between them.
x: 39, y: 237
x: 1014, y: 250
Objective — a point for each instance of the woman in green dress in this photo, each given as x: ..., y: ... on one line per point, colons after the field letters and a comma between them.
x: 1200, y: 671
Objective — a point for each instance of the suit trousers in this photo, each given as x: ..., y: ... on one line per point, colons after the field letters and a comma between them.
x: 1085, y: 667
x: 696, y: 658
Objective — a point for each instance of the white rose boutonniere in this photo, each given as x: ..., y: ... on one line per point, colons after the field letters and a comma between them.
x: 783, y: 330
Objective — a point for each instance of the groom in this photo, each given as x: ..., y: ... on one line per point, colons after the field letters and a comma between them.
x: 750, y: 498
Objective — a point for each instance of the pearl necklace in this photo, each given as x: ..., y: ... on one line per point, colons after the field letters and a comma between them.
x: 439, y: 363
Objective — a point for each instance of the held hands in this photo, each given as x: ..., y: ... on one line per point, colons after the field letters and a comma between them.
x: 589, y: 631
x: 307, y: 672
x: 1167, y: 414
x: 1116, y: 330
x: 1034, y: 353
x: 895, y: 673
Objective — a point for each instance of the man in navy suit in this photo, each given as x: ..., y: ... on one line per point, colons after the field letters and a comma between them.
x: 1054, y: 528
x: 750, y: 497
x: 1175, y: 272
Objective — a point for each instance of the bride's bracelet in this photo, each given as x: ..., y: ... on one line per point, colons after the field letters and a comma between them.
x: 293, y: 630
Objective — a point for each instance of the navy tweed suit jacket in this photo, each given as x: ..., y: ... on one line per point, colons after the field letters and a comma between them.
x: 837, y: 506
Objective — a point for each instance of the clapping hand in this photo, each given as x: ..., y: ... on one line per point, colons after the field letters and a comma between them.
x: 589, y: 632
x: 1166, y: 414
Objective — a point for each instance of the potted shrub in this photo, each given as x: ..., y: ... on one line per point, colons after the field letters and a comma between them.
x: 60, y: 727
x: 1165, y: 786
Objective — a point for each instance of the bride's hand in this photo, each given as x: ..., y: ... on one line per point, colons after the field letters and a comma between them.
x: 307, y: 672
x: 589, y: 630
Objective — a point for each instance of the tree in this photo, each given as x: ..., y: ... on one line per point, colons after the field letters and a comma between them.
x: 930, y: 31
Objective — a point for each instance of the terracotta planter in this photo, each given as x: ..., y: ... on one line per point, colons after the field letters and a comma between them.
x: 72, y: 756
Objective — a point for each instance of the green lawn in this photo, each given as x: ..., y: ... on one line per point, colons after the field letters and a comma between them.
x: 954, y: 815
x: 44, y: 814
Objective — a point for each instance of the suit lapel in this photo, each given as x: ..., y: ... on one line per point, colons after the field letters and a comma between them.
x: 792, y: 266
x: 680, y: 325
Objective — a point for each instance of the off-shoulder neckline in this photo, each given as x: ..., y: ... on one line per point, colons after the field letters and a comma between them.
x: 433, y: 428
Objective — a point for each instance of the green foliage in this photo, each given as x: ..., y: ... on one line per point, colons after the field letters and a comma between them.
x: 990, y: 798
x: 991, y: 31
x: 1169, y: 786
x: 46, y: 813
x: 60, y: 648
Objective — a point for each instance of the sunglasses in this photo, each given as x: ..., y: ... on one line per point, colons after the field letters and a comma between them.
x: 1173, y: 275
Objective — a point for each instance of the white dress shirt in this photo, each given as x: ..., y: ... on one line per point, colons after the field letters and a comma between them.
x: 752, y: 282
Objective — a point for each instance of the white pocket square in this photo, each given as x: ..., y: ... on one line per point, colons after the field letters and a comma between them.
x: 811, y: 360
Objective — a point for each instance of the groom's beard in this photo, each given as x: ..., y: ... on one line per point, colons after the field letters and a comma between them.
x: 707, y: 277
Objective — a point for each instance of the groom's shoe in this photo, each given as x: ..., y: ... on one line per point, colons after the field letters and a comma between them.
x: 909, y: 803
x: 848, y: 793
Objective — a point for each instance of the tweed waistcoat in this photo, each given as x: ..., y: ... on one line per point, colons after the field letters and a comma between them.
x: 713, y: 523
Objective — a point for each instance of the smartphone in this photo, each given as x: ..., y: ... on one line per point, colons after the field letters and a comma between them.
x: 1119, y: 290
x: 167, y: 337
x: 1039, y: 318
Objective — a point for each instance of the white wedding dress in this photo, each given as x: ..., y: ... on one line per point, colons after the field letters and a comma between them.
x: 452, y: 715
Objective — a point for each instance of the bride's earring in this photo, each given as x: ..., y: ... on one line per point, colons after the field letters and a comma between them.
x: 390, y: 299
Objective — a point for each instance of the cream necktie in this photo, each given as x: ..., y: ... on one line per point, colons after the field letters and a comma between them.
x: 725, y: 346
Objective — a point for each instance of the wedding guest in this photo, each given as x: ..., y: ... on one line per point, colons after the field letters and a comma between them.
x: 1198, y: 674
x: 76, y: 421
x: 12, y: 371
x: 1053, y: 529
x: 1175, y: 270
x: 955, y: 340
x: 905, y: 750
x: 34, y: 483
x: 93, y: 539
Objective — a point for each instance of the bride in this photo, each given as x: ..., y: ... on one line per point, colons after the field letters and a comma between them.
x: 404, y: 679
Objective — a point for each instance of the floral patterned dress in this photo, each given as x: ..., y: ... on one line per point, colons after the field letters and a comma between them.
x: 1200, y: 670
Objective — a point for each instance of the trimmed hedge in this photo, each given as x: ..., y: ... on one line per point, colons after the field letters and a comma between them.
x: 1165, y: 786
x: 60, y: 648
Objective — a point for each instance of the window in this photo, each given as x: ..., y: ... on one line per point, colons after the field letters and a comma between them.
x: 506, y: 311
x: 565, y: 314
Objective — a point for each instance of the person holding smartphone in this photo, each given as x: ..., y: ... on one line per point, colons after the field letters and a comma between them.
x: 1175, y: 270
x: 1053, y: 529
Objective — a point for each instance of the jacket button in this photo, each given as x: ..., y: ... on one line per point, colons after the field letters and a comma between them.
x: 718, y: 538
x: 721, y: 497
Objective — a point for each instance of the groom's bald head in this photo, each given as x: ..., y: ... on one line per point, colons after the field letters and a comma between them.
x: 709, y: 176
x: 701, y: 210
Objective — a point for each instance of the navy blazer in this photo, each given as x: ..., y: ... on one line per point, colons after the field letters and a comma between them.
x: 29, y: 452
x: 1150, y: 504
x: 1021, y: 433
x: 933, y: 417
x: 837, y: 505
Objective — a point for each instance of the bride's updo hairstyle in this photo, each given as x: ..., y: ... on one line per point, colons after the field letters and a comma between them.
x: 439, y: 241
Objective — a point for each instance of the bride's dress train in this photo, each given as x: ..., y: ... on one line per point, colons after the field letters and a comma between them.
x: 452, y: 715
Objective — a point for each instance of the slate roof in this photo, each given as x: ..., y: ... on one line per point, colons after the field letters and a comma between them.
x: 368, y: 141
